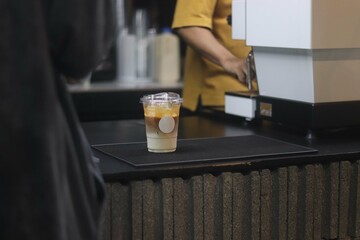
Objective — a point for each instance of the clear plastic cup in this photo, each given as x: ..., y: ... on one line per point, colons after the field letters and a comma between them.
x: 161, y: 112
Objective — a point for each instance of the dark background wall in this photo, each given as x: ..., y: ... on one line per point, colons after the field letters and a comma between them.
x: 160, y: 11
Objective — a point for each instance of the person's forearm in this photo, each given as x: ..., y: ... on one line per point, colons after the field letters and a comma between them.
x: 204, y: 42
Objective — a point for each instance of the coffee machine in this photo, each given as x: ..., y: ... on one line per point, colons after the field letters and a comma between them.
x: 307, y: 59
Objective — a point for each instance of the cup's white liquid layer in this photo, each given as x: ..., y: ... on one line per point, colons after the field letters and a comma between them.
x: 161, y: 145
x: 158, y: 140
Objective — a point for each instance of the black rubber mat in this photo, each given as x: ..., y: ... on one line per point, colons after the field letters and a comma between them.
x: 204, y: 149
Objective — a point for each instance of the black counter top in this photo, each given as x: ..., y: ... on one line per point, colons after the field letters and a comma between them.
x: 330, y: 145
x: 114, y: 100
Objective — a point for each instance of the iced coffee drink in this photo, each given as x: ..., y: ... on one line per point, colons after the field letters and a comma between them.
x: 161, y: 113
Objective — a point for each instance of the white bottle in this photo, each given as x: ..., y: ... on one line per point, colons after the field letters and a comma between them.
x: 126, y: 46
x: 140, y: 24
x: 151, y: 54
x: 167, y: 55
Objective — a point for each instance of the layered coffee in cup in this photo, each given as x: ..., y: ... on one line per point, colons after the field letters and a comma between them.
x: 161, y: 113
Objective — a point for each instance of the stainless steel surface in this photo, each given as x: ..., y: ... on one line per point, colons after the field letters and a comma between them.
x: 249, y: 71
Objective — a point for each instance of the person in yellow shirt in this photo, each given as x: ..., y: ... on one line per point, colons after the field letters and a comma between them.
x: 214, y: 62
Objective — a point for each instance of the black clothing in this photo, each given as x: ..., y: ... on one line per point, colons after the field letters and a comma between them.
x: 50, y: 187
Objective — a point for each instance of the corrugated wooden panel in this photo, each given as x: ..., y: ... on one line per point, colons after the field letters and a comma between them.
x: 183, y: 210
x: 315, y: 201
x: 309, y: 198
x: 280, y: 204
x: 331, y: 201
x: 344, y: 201
x: 255, y: 184
x: 167, y: 211
x: 239, y: 206
x: 152, y: 219
x: 136, y: 210
x: 106, y: 217
x: 121, y: 223
x: 293, y: 184
x: 226, y: 195
x: 354, y: 224
x: 211, y: 212
x: 266, y: 188
x: 319, y: 189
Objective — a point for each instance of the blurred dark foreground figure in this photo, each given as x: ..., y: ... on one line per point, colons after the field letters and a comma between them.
x: 50, y: 187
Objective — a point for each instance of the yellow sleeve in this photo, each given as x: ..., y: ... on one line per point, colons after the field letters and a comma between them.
x: 194, y: 13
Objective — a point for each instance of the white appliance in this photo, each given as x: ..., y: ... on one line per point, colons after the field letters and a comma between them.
x: 307, y: 57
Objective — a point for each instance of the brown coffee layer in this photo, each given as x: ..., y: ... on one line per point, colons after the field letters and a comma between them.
x: 152, y: 127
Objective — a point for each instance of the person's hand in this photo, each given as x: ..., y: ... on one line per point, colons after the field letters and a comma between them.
x: 203, y: 41
x: 237, y: 67
x: 85, y: 81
